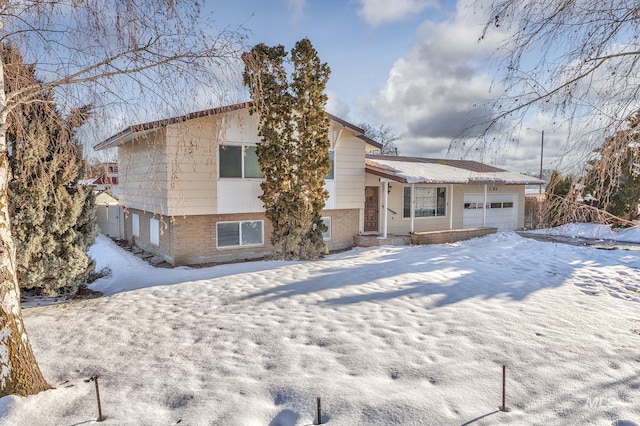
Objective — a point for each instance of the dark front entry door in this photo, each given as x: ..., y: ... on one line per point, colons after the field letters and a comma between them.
x: 371, y: 209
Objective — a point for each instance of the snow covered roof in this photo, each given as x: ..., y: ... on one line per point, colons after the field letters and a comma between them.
x: 106, y: 180
x: 430, y: 170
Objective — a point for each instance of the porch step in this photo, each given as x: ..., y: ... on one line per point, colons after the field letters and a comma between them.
x: 450, y: 236
x: 419, y: 238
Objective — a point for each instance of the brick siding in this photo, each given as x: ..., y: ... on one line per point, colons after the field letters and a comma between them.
x: 188, y: 240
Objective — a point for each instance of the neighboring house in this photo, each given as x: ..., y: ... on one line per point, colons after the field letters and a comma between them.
x: 410, y: 194
x: 190, y: 186
x: 104, y: 177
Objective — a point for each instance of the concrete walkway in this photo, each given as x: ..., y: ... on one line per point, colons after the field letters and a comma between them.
x: 579, y: 241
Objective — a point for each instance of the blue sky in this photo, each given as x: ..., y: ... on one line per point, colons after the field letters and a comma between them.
x: 360, y: 53
x: 414, y: 65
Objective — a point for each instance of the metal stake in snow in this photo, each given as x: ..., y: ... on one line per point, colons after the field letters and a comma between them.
x: 319, y: 412
x: 504, y: 385
x: 94, y: 378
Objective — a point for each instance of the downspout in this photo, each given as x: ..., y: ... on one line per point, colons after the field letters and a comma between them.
x: 413, y: 202
x: 120, y: 222
x: 451, y: 208
x: 484, y: 207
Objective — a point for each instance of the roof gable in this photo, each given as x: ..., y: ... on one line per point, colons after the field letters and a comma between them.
x: 130, y: 132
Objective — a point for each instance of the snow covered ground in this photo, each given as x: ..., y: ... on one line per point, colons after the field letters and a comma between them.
x: 386, y: 336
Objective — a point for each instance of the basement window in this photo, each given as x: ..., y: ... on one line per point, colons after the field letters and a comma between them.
x: 326, y: 235
x: 135, y: 225
x: 239, y: 234
x: 154, y: 231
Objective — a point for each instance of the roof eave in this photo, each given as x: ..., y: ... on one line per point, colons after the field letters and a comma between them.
x: 385, y: 174
x: 124, y: 136
x: 127, y: 134
x: 345, y: 123
x: 114, y: 140
x: 374, y: 144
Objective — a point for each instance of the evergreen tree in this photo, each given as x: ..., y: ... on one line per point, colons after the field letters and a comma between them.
x: 556, y: 196
x: 122, y: 55
x: 559, y: 185
x: 53, y: 219
x: 294, y: 149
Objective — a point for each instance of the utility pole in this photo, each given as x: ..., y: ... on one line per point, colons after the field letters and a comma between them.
x: 541, y: 152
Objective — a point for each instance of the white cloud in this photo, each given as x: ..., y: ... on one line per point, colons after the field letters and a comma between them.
x: 434, y: 94
x: 522, y: 153
x: 337, y: 106
x: 297, y: 9
x: 377, y: 12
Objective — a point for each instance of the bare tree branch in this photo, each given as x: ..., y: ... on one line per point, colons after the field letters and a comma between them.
x: 138, y: 56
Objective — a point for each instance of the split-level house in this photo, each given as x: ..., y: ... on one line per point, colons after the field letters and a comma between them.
x: 190, y: 186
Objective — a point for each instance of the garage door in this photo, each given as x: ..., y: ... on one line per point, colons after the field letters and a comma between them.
x: 501, y: 211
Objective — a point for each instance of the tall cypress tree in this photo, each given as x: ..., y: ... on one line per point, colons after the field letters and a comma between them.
x: 53, y: 219
x: 294, y: 148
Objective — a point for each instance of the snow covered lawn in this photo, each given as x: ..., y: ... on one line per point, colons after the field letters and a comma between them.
x: 391, y: 335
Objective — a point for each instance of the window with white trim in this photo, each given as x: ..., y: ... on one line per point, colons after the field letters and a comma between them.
x: 326, y: 235
x: 332, y: 159
x: 430, y: 201
x: 491, y: 205
x: 154, y: 231
x: 238, y: 234
x: 135, y: 225
x: 238, y: 161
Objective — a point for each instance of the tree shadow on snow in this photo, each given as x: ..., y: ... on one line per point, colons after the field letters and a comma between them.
x: 449, y: 271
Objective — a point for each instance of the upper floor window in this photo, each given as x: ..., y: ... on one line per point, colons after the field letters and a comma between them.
x: 331, y: 174
x: 430, y: 201
x: 239, y: 161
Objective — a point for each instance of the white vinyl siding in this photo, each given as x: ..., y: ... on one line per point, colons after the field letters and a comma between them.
x: 349, y: 173
x: 143, y: 175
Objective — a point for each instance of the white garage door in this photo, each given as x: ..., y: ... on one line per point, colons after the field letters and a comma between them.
x: 501, y: 211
